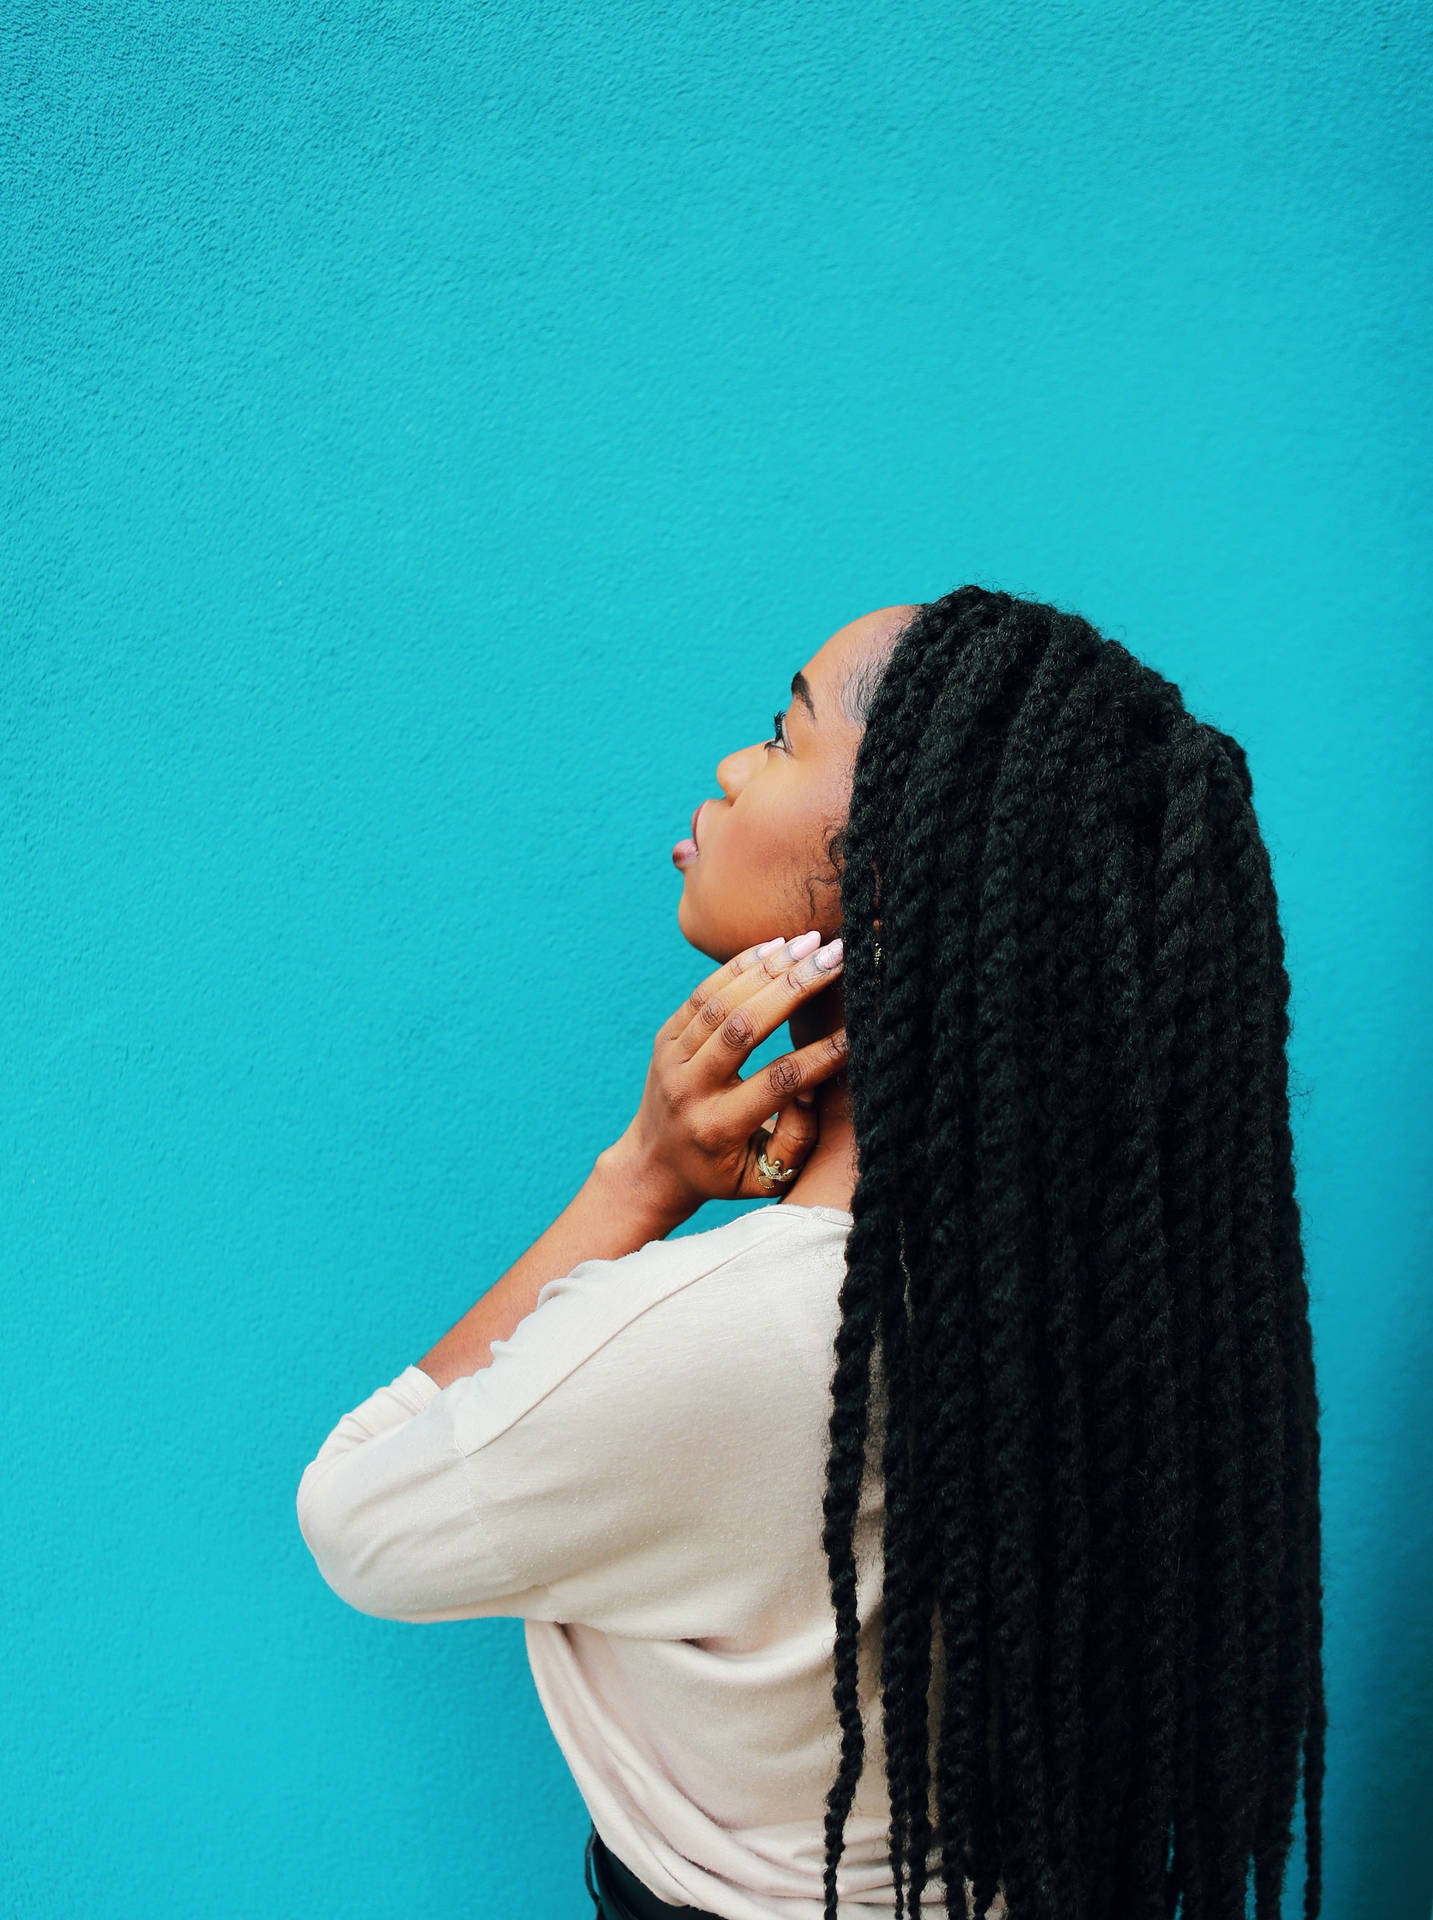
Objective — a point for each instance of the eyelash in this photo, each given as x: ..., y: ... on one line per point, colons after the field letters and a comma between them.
x: 777, y: 722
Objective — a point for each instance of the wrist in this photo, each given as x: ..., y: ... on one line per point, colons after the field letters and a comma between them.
x: 639, y: 1188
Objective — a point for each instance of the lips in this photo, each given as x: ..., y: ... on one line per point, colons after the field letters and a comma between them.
x: 686, y: 850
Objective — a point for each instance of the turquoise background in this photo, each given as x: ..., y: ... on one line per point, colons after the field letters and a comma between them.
x: 433, y: 440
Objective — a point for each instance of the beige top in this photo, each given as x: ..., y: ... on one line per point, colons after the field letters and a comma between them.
x: 639, y: 1476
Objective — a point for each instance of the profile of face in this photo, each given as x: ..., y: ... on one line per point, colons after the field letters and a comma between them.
x: 758, y: 863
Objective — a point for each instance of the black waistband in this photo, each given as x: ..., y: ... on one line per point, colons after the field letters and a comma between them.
x: 620, y: 1895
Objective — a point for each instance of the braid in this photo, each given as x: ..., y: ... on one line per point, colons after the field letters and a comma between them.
x: 1011, y: 1231
x: 1119, y: 1253
x: 949, y: 1419
x: 911, y: 1596
x: 1074, y: 1313
x: 1180, y: 1066
x: 873, y: 1232
x: 1063, y: 895
x: 888, y: 1058
x: 1297, y: 1709
x: 1220, y: 1649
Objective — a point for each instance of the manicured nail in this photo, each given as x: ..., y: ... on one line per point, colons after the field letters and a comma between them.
x: 803, y: 944
x: 829, y: 957
x: 770, y: 946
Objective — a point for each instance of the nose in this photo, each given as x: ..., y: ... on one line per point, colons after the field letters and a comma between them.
x: 736, y: 769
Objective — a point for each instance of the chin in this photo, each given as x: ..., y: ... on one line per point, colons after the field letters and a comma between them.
x: 699, y: 939
x: 684, y: 922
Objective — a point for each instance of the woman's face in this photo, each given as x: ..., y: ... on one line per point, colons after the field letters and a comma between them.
x: 759, y: 865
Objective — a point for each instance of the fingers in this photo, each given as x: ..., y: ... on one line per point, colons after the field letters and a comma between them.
x: 725, y: 978
x: 780, y: 1080
x: 788, y: 1147
x: 739, y: 1015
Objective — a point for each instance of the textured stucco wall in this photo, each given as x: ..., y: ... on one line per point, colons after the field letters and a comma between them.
x: 433, y: 439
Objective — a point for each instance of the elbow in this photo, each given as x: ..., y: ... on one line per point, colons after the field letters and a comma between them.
x: 349, y: 1560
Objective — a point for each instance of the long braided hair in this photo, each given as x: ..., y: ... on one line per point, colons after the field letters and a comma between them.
x: 1074, y: 1292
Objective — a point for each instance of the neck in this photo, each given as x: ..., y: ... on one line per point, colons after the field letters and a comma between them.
x: 828, y: 1178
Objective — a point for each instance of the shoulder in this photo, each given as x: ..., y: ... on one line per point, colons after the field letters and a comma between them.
x: 713, y: 1312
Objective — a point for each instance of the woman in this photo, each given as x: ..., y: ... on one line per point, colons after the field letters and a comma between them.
x: 945, y: 1536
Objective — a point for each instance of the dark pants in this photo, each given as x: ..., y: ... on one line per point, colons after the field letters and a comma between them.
x: 618, y: 1894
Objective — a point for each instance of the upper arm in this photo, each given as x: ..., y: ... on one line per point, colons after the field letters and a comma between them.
x: 601, y: 1470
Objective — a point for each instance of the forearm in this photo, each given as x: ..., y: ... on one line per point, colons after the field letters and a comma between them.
x: 614, y: 1212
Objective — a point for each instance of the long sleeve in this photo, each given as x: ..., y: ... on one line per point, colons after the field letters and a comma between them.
x: 598, y: 1471
x: 384, y: 1509
x: 640, y: 1476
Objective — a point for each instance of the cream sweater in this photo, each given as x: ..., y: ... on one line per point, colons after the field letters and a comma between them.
x: 638, y: 1476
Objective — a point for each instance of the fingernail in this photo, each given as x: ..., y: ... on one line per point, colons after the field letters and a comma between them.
x: 829, y: 957
x: 805, y: 1099
x: 770, y: 946
x: 803, y: 944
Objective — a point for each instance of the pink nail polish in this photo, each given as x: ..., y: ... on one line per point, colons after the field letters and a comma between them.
x: 803, y: 944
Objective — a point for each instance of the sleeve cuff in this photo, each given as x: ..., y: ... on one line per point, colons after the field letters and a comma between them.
x: 389, y: 1407
x: 416, y: 1386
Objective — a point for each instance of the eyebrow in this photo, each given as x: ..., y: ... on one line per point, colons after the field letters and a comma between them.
x: 803, y: 692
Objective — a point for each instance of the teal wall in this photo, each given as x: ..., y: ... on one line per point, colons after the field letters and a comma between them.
x: 433, y: 439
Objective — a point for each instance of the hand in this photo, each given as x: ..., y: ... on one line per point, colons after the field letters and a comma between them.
x: 695, y: 1135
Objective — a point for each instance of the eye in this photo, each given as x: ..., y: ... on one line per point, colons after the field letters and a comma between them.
x: 777, y: 724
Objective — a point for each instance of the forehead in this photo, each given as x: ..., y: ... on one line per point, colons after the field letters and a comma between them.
x: 868, y: 639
